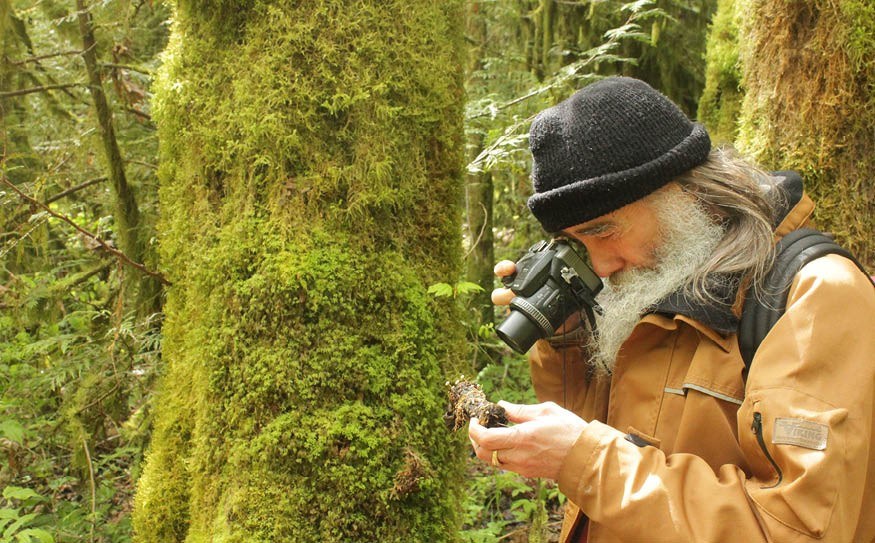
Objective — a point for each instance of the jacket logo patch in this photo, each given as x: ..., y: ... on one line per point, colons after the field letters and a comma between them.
x: 802, y: 433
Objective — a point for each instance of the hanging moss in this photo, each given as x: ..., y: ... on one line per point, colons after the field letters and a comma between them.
x: 311, y: 174
x: 720, y: 103
x: 809, y: 75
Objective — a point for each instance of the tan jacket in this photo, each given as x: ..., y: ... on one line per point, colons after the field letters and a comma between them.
x: 709, y: 449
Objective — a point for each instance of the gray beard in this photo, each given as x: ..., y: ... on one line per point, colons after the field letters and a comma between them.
x: 689, y: 236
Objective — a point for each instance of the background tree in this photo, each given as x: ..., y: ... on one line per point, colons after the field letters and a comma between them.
x: 310, y: 166
x: 805, y: 72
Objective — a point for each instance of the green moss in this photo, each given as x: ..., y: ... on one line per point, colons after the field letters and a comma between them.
x: 809, y: 75
x: 310, y: 180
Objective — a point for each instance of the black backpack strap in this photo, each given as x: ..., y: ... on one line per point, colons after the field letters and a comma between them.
x: 763, y: 308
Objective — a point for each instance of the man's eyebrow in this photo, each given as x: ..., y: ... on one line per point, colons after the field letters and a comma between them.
x: 595, y: 229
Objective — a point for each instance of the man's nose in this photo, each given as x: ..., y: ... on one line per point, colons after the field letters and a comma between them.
x: 605, y: 264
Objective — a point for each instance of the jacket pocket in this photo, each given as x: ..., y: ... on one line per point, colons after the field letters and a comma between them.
x: 795, y: 445
x: 641, y: 439
x: 757, y: 428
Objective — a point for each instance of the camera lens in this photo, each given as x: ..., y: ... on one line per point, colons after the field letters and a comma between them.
x: 519, y: 332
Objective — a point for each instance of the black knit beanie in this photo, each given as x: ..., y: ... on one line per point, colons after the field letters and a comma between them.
x: 613, y: 142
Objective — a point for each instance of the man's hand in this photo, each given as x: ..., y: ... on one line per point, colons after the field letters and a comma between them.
x: 536, y: 446
x: 503, y: 296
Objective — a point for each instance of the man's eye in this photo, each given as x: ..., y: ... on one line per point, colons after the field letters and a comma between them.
x: 606, y: 233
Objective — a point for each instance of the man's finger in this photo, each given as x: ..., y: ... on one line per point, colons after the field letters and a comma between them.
x: 502, y: 296
x: 518, y: 413
x: 491, y: 439
x: 504, y: 268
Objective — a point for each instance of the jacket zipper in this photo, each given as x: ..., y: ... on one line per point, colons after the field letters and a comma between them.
x: 757, y: 428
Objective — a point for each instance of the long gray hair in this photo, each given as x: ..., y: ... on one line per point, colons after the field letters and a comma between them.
x: 744, y: 199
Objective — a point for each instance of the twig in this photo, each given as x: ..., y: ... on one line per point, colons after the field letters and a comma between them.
x: 44, y: 88
x: 103, y: 245
x: 43, y: 57
x: 77, y: 188
x: 480, y: 234
x: 128, y: 67
x: 62, y: 194
x: 138, y: 113
x: 141, y: 163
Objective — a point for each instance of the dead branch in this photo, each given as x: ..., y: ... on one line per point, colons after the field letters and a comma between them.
x: 127, y: 67
x: 100, y: 243
x: 43, y: 57
x: 77, y: 188
x: 43, y: 88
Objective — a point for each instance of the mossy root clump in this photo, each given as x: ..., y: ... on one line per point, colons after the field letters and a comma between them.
x: 467, y: 401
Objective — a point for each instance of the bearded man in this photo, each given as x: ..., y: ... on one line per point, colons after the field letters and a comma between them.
x: 663, y: 435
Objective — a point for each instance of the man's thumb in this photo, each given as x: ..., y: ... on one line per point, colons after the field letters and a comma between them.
x: 520, y: 412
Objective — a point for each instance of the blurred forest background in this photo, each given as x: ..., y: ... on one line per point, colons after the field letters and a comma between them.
x: 90, y: 246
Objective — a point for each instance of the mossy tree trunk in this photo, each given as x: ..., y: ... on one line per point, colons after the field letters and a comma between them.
x: 807, y: 70
x: 311, y: 178
x: 479, y: 190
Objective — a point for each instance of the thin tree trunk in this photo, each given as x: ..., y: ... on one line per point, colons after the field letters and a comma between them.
x: 479, y: 194
x: 127, y: 216
x: 128, y: 223
x: 481, y: 257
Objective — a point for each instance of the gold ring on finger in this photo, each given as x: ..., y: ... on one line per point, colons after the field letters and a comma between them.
x: 495, y: 461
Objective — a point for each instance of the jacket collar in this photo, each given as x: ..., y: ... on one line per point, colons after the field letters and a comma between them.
x: 722, y: 314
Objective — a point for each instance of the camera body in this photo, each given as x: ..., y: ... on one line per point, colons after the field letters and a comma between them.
x: 551, y: 282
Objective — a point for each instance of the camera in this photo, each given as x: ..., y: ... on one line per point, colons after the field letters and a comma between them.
x: 551, y: 282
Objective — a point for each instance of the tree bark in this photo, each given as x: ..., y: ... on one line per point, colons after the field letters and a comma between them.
x: 479, y: 193
x: 481, y: 256
x: 127, y: 214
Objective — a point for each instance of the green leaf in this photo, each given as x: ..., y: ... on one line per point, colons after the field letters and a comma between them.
x: 21, y: 493
x: 35, y: 534
x: 466, y: 287
x: 10, y: 531
x: 6, y: 513
x: 12, y: 430
x: 441, y: 289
